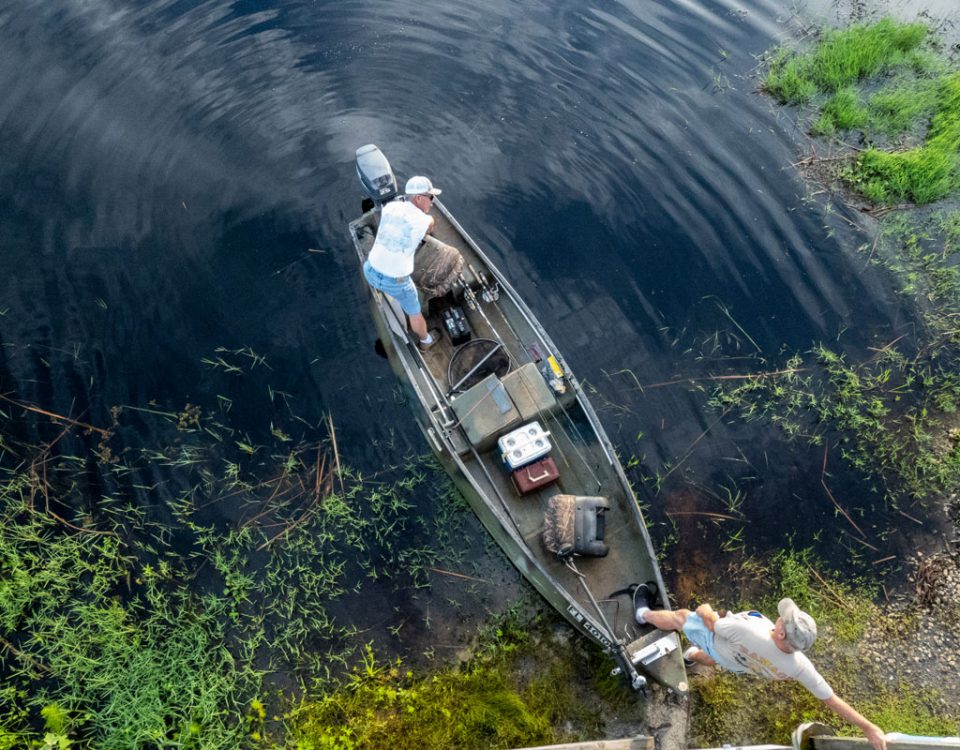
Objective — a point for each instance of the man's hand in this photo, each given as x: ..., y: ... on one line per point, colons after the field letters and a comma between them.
x: 871, y: 731
x: 876, y: 737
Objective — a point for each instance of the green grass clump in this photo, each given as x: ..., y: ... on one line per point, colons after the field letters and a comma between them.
x: 842, y: 112
x: 913, y: 711
x: 843, y: 57
x: 521, y: 687
x: 922, y: 174
x: 899, y: 108
x: 841, y: 73
x: 384, y: 707
x: 735, y: 709
x: 739, y: 710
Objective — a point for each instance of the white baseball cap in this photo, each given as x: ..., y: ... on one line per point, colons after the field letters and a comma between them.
x: 801, y: 628
x: 420, y: 185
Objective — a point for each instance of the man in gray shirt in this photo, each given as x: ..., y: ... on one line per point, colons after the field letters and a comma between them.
x: 749, y: 642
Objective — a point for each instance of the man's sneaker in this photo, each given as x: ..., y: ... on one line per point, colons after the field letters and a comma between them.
x: 434, y: 335
x: 688, y: 660
x: 644, y: 596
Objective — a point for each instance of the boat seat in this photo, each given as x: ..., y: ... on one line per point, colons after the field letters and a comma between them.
x: 486, y: 411
x: 530, y: 392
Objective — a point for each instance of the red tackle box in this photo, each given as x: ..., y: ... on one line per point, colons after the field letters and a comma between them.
x: 532, y: 477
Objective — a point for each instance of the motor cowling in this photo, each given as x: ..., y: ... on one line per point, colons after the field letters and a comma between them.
x: 375, y: 174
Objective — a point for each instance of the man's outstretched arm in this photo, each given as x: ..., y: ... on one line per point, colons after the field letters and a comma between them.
x: 872, y: 732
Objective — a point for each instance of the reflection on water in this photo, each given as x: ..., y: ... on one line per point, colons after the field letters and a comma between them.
x: 176, y: 176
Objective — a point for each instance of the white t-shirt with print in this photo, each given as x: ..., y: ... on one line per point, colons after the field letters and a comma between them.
x: 402, y: 229
x: 745, y: 639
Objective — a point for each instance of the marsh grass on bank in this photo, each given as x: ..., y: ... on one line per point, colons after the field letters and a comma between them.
x: 527, y: 683
x: 887, y: 82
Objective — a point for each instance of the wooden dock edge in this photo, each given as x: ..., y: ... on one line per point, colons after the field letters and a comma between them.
x: 811, y: 736
x: 860, y: 743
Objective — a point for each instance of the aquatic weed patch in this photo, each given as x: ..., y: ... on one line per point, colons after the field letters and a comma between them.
x: 126, y: 666
x: 151, y: 614
x: 894, y: 416
x: 884, y: 415
x: 922, y: 252
x: 885, y: 81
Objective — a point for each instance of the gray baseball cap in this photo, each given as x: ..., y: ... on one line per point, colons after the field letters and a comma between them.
x: 800, y: 627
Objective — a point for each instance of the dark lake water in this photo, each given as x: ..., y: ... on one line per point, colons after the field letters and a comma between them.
x: 176, y: 177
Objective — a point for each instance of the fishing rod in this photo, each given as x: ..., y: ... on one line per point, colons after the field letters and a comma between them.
x: 474, y: 304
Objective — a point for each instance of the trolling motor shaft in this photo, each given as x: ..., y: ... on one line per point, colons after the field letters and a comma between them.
x: 469, y: 296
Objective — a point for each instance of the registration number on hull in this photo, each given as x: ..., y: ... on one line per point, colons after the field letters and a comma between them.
x: 581, y: 619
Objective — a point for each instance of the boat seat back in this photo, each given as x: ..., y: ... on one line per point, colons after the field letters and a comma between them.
x: 530, y: 392
x: 575, y: 525
x: 485, y: 411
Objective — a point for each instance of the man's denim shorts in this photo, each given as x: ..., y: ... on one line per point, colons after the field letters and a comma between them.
x: 697, y: 633
x: 404, y: 292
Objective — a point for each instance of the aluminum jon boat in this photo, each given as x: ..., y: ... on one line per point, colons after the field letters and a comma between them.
x: 510, y: 423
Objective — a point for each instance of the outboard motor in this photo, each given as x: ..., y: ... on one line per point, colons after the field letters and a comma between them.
x: 375, y: 175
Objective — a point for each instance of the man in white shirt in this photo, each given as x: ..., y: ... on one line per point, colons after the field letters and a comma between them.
x: 749, y: 642
x: 403, y: 225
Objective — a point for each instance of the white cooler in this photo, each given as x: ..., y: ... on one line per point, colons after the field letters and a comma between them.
x: 524, y: 445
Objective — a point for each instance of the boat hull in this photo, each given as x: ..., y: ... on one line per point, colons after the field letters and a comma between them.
x: 513, y: 523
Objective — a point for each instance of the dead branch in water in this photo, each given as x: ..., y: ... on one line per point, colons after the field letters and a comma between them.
x: 336, y: 454
x: 459, y: 575
x: 713, y: 378
x: 39, y: 484
x: 834, y: 594
x: 823, y: 482
x: 704, y: 513
x: 53, y: 415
